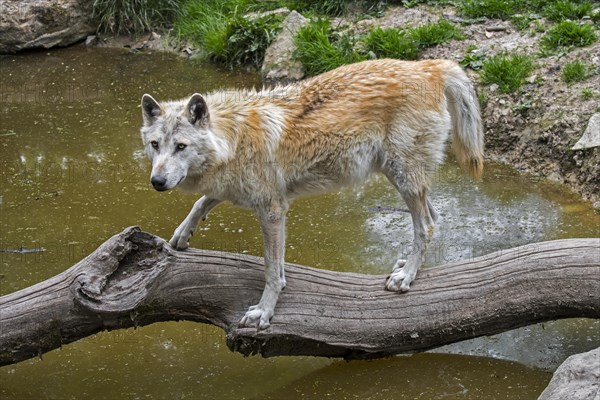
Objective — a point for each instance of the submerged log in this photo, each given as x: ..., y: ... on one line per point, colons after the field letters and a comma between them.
x: 135, y: 279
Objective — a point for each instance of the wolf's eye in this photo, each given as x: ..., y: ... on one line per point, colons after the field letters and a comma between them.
x: 181, y: 146
x: 154, y: 144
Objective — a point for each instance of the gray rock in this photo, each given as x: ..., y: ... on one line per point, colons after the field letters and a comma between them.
x: 261, y: 14
x: 27, y: 24
x: 91, y: 41
x: 576, y: 379
x: 591, y: 136
x: 279, y: 64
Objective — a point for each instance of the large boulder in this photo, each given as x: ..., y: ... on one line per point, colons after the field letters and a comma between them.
x: 576, y: 379
x: 279, y: 64
x: 27, y: 24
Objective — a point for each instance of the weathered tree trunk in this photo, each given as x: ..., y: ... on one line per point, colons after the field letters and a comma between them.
x: 136, y: 279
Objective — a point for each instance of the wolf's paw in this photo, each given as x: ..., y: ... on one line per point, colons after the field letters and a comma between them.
x: 181, y: 237
x: 399, y: 280
x: 256, y: 317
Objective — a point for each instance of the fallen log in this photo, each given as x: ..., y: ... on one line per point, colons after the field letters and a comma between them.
x: 136, y: 278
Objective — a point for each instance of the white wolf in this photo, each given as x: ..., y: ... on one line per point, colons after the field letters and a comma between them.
x: 263, y: 149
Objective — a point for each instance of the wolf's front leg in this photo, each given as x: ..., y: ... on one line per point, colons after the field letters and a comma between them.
x: 272, y: 223
x: 186, y: 229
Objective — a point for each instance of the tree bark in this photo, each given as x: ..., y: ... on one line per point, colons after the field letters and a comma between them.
x: 135, y: 279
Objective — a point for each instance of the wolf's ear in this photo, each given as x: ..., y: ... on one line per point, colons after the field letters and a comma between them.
x: 197, y: 110
x: 150, y: 109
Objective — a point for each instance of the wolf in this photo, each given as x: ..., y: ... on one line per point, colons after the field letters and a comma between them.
x: 261, y: 149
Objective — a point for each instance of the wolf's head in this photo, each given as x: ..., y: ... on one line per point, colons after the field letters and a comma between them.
x: 178, y: 140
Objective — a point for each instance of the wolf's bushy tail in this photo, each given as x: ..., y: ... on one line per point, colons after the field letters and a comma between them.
x: 467, y: 130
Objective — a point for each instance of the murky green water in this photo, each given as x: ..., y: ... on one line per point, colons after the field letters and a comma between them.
x: 73, y: 175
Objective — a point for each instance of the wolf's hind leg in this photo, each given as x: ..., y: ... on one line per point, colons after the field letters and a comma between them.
x: 186, y: 229
x: 432, y: 213
x: 405, y: 271
x: 414, y: 193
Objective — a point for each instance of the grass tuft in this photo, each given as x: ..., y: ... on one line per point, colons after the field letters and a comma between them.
x: 562, y: 10
x: 507, y: 71
x: 408, y: 44
x: 134, y: 16
x: 587, y: 94
x: 575, y: 71
x: 523, y: 11
x: 486, y: 8
x: 392, y: 43
x: 437, y: 33
x: 568, y: 34
x: 320, y: 50
x: 224, y: 34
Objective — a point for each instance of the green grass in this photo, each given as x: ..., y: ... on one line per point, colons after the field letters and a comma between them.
x: 224, y: 35
x: 507, y: 71
x: 134, y: 16
x: 319, y: 49
x: 408, y: 44
x: 587, y: 94
x: 437, y: 33
x: 486, y: 8
x: 575, y: 71
x: 392, y: 43
x: 569, y: 34
x: 523, y: 11
x: 473, y: 59
x: 562, y: 10
x: 336, y: 8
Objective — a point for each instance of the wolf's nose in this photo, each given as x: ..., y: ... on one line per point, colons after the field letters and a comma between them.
x: 159, y: 182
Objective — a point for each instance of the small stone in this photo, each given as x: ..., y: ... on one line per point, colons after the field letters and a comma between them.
x: 531, y: 79
x: 496, y: 28
x: 489, y: 35
x: 591, y: 136
x: 91, y: 41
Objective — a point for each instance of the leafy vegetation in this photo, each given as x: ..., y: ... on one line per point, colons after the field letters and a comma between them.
x: 587, y: 94
x: 575, y: 71
x: 568, y: 34
x: 473, y: 59
x: 319, y: 49
x: 562, y: 10
x: 134, y: 16
x: 487, y: 8
x: 507, y: 71
x: 392, y: 43
x: 521, y: 12
x: 224, y: 34
x: 437, y: 33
